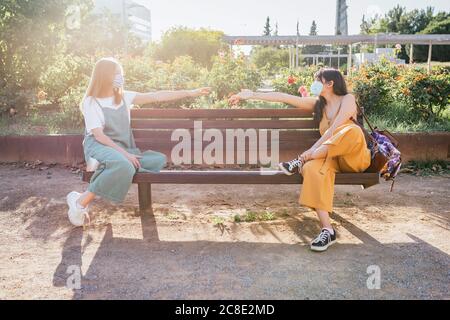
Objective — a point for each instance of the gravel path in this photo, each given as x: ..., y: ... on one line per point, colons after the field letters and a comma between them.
x: 192, y: 248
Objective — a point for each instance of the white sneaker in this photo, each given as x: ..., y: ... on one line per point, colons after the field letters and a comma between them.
x: 76, y: 215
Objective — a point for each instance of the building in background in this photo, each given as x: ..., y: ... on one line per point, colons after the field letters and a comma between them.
x: 137, y: 16
x: 341, y: 18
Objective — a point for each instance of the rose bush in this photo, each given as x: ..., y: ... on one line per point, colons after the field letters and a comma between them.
x: 229, y: 75
x: 290, y: 81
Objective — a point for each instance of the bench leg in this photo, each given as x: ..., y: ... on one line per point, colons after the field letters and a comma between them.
x: 145, y: 197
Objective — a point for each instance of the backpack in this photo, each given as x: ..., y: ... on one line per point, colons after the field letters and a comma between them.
x: 385, y: 155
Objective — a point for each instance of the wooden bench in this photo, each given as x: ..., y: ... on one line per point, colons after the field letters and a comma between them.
x: 153, y: 129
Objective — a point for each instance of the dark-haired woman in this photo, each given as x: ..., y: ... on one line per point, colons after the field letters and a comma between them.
x: 341, y: 148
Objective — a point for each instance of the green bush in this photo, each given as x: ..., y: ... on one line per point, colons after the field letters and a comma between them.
x: 70, y: 107
x: 145, y: 75
x: 63, y: 75
x: 404, y: 98
x: 229, y: 75
x: 12, y: 97
x: 138, y: 71
x: 426, y: 95
x: 373, y: 85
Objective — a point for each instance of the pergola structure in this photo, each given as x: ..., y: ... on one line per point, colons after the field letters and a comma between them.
x: 350, y: 41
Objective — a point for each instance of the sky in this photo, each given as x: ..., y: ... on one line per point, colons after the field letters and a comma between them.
x: 247, y: 17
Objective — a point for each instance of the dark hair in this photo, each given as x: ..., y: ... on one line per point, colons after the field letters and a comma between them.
x: 339, y: 88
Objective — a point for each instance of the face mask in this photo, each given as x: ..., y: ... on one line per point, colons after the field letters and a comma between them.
x: 118, y: 81
x: 316, y: 88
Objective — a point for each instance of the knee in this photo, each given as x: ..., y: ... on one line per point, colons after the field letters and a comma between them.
x: 354, y: 132
x: 163, y: 159
x: 160, y: 160
x: 126, y: 168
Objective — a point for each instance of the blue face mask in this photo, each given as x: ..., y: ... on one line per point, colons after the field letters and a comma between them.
x: 119, y: 81
x: 316, y: 88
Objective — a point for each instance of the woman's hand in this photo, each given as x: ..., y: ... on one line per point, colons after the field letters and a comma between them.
x: 134, y: 159
x: 200, y: 92
x: 245, y: 94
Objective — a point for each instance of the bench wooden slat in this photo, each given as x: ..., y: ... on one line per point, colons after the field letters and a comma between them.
x: 291, y: 143
x: 224, y: 124
x: 240, y: 177
x: 287, y: 145
x: 285, y: 135
x: 218, y: 113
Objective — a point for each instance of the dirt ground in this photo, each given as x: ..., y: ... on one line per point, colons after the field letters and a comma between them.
x: 193, y: 249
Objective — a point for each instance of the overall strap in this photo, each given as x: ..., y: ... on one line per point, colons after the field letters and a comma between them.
x: 97, y: 102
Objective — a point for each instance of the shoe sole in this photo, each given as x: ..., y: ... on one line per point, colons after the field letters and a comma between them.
x: 284, y: 170
x: 324, y: 248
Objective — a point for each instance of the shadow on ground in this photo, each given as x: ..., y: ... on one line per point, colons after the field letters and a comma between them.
x: 154, y: 269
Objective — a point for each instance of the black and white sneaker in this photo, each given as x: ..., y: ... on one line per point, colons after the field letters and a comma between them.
x: 289, y: 167
x: 323, y: 241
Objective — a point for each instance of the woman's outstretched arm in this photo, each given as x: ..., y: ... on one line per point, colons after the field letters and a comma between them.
x: 306, y: 103
x: 167, y: 95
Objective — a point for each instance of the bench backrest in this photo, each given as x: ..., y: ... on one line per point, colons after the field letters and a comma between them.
x: 153, y: 128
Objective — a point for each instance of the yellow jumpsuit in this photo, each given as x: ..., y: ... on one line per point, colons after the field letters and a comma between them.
x: 347, y: 152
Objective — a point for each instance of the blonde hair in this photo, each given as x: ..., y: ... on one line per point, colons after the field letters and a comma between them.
x: 102, y: 78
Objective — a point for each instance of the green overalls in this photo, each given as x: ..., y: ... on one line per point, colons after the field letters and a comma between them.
x: 114, y: 176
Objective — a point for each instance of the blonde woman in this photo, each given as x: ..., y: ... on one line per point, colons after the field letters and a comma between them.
x: 341, y: 148
x: 109, y: 139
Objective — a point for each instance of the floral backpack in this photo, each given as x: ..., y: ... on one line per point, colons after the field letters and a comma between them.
x: 386, y: 158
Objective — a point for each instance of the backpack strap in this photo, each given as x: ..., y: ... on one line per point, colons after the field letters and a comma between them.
x: 361, y: 112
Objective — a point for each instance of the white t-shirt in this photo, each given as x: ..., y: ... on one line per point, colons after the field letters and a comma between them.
x: 93, y: 115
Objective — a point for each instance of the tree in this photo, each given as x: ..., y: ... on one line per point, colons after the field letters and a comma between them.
x: 399, y: 20
x: 313, y: 31
x: 267, y: 28
x: 276, y: 29
x: 111, y: 36
x: 439, y: 53
x: 201, y: 45
x: 270, y: 59
x: 31, y: 33
x: 314, y: 49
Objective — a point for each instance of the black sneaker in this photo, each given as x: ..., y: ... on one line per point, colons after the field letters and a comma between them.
x: 289, y: 167
x: 323, y: 241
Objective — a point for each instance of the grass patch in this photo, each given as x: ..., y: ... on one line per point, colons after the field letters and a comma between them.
x: 253, y: 216
x: 267, y: 216
x: 218, y: 221
x: 173, y: 216
x: 397, y: 118
x: 427, y: 168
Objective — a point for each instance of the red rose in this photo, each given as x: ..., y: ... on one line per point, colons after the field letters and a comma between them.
x: 291, y: 80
